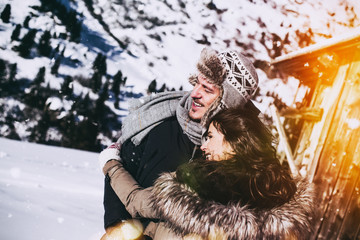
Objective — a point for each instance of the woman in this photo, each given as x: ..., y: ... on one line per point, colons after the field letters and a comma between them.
x: 238, y: 190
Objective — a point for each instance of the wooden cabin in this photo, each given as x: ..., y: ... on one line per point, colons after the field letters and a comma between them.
x: 326, y: 146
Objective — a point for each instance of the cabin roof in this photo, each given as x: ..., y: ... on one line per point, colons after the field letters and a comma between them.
x: 319, y: 61
x: 348, y: 40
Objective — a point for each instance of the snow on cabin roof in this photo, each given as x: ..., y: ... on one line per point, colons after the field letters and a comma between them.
x: 347, y: 39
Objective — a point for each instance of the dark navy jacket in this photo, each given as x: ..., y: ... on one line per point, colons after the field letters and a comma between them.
x: 162, y: 150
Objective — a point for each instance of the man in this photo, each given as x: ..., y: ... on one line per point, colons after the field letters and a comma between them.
x: 164, y: 130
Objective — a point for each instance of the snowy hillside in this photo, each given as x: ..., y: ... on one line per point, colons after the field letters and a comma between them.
x: 68, y: 68
x: 162, y: 39
x: 49, y: 193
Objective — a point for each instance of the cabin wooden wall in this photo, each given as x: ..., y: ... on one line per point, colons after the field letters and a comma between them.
x: 329, y: 151
x: 337, y: 171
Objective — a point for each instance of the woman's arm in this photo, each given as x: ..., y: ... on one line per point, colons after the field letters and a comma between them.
x: 132, y: 195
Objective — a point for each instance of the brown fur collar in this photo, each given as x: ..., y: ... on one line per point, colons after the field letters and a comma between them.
x: 184, y: 213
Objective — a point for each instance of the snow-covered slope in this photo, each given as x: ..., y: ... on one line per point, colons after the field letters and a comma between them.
x: 149, y: 40
x: 163, y: 39
x: 49, y: 193
x: 146, y: 40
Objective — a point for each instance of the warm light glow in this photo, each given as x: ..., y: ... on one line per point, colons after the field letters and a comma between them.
x: 353, y: 123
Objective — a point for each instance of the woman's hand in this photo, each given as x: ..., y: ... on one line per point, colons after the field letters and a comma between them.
x: 110, y: 153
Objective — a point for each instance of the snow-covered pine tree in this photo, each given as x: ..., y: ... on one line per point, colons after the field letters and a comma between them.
x: 16, y: 33
x: 163, y: 88
x: 40, y: 77
x: 26, y: 21
x: 99, y: 64
x: 27, y: 43
x: 13, y: 71
x: 55, y: 67
x: 66, y: 88
x: 6, y: 13
x: 118, y: 80
x: 44, y: 46
x: 152, y: 86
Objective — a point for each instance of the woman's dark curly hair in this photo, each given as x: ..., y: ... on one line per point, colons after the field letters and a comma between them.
x: 253, y: 175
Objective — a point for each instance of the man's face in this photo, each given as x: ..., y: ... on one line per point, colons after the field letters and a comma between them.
x: 203, y: 95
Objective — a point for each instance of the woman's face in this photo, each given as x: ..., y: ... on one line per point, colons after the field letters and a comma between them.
x: 215, y: 147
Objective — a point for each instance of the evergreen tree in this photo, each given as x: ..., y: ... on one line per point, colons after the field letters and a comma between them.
x: 3, y: 71
x: 26, y: 22
x: 71, y: 20
x: 100, y: 113
x: 44, y: 46
x: 75, y: 33
x: 163, y: 88
x: 86, y: 136
x: 68, y: 129
x: 99, y: 64
x: 48, y: 5
x: 12, y: 115
x: 27, y: 43
x: 83, y: 106
x: 55, y: 67
x: 57, y: 49
x: 152, y: 86
x: 99, y: 67
x: 37, y: 96
x: 12, y: 133
x: 16, y: 33
x: 79, y: 134
x: 118, y: 81
x: 100, y: 102
x: 39, y: 132
x: 6, y: 13
x: 66, y: 87
x: 73, y: 26
x: 40, y: 77
x: 96, y: 81
x: 89, y: 4
x: 63, y: 51
x: 13, y: 71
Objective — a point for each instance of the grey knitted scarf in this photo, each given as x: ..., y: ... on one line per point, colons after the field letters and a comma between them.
x: 148, y: 112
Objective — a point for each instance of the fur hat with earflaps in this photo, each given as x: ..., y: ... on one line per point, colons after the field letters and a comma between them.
x: 233, y: 73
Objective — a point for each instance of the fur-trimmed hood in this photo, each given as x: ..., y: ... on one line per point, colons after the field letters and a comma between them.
x: 185, y: 213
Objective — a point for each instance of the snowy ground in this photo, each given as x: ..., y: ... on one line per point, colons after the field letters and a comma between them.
x: 49, y: 193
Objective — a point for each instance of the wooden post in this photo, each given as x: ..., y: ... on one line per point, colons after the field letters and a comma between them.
x: 283, y: 140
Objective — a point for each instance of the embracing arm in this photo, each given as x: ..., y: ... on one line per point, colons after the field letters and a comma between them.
x: 132, y: 195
